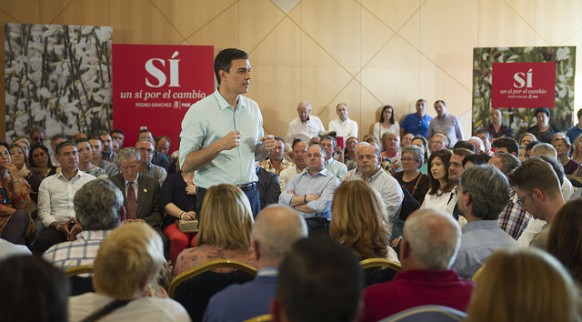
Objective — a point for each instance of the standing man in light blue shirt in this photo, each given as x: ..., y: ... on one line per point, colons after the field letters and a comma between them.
x: 222, y: 134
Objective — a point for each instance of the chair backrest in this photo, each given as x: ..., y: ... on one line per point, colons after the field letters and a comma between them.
x: 260, y: 318
x: 81, y: 279
x: 379, y: 270
x: 477, y: 274
x: 194, y: 288
x: 428, y: 313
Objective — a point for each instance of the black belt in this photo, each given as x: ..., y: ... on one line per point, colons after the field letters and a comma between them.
x: 247, y: 187
x: 244, y: 187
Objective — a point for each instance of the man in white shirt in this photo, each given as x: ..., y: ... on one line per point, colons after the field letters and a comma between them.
x: 343, y: 126
x: 305, y: 126
x: 55, y: 199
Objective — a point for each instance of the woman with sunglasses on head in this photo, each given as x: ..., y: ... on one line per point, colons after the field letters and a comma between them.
x: 16, y: 225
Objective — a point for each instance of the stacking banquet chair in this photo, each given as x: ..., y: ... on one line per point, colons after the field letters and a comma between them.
x: 81, y: 279
x: 260, y: 318
x: 194, y: 288
x: 427, y: 313
x: 379, y: 270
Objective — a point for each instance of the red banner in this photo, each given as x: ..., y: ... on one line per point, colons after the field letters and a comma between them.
x: 523, y: 85
x: 154, y: 85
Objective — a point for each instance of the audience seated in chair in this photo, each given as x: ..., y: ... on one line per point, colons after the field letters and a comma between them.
x: 32, y: 290
x: 194, y: 288
x: 428, y: 313
x: 430, y: 243
x: 483, y: 192
x: 523, y: 285
x: 276, y: 229
x: 319, y: 281
x: 224, y: 230
x: 129, y: 259
x: 358, y: 221
x: 379, y: 270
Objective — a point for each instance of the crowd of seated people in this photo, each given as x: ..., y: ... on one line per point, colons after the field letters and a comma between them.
x: 350, y: 191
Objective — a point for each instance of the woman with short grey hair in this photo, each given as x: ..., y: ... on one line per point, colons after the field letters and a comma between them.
x: 411, y: 178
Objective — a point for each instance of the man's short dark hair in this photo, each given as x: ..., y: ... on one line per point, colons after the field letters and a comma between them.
x: 58, y: 136
x: 510, y: 144
x: 464, y: 145
x: 476, y: 159
x: 63, y: 144
x: 120, y: 131
x: 295, y: 142
x: 483, y: 131
x: 536, y: 173
x: 544, y: 110
x: 319, y: 280
x: 224, y: 59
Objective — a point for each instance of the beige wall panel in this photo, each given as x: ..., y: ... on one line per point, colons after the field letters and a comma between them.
x: 265, y: 17
x: 549, y: 17
x: 50, y: 10
x: 394, y: 13
x: 500, y: 26
x: 276, y: 77
x: 392, y: 76
x: 447, y: 35
x: 375, y: 35
x: 335, y: 26
x: 322, y: 77
x: 188, y: 16
x: 222, y: 32
x: 140, y: 22
x: 21, y: 11
x: 79, y: 12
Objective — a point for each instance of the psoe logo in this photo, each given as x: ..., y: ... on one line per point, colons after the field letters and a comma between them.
x: 523, y: 79
x: 160, y: 75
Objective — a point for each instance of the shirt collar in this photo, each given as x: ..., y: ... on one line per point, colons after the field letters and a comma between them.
x: 223, y: 104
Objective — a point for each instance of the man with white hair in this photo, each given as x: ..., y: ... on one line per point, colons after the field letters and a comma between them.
x: 343, y: 125
x: 277, y: 228
x: 477, y: 144
x: 305, y: 126
x: 429, y: 247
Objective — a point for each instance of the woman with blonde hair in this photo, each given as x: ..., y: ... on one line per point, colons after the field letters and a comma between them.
x: 129, y: 259
x: 224, y: 229
x: 523, y: 285
x: 358, y: 220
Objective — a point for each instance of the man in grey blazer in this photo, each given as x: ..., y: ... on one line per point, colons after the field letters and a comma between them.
x: 146, y: 190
